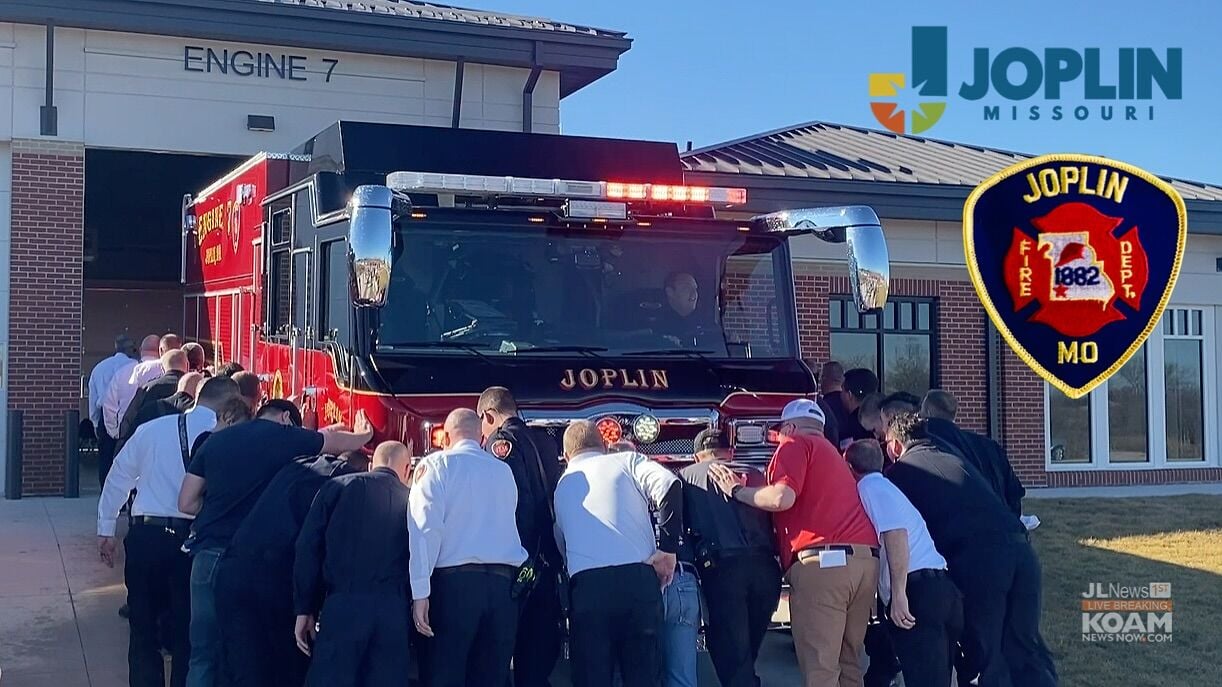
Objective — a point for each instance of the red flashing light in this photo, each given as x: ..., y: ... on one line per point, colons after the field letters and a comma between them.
x: 676, y: 194
x: 610, y: 430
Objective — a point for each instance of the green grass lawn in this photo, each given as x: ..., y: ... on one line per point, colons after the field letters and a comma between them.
x: 1133, y: 542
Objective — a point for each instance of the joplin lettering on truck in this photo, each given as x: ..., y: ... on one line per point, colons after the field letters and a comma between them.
x: 401, y: 270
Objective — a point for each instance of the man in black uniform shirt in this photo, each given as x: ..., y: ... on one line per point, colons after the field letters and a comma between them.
x: 858, y: 383
x: 988, y: 555
x: 736, y: 561
x: 535, y: 462
x: 939, y: 408
x: 254, y: 581
x: 227, y: 475
x: 175, y: 364
x: 351, y: 575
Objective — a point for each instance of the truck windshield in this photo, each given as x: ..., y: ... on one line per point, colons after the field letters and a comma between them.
x: 518, y: 290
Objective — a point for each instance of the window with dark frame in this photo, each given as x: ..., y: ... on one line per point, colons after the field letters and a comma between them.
x: 334, y: 300
x: 279, y: 291
x: 898, y: 344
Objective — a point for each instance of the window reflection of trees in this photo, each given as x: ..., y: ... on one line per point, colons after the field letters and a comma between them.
x: 1185, y: 418
x: 1069, y: 427
x: 1128, y: 434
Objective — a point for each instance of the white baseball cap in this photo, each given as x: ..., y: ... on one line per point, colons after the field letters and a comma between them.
x: 801, y: 408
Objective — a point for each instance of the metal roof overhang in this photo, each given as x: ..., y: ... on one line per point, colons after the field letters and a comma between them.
x: 894, y: 200
x: 579, y: 57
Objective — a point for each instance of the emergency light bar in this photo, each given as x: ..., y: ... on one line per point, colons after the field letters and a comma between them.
x: 432, y: 182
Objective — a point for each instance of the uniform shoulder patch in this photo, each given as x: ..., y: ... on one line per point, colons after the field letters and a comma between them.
x: 500, y: 448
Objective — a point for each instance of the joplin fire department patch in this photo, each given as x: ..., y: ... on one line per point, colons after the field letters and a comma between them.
x: 500, y: 448
x: 1074, y: 258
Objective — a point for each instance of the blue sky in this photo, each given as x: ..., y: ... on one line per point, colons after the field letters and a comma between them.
x: 712, y: 71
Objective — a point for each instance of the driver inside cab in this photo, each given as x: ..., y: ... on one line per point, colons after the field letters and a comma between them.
x: 678, y: 320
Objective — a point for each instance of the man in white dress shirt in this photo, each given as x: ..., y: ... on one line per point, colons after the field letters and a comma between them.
x: 924, y: 607
x: 129, y: 379
x: 156, y: 571
x: 465, y: 555
x: 99, y: 382
x: 617, y: 565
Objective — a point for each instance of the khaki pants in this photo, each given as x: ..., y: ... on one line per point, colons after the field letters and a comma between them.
x: 830, y: 608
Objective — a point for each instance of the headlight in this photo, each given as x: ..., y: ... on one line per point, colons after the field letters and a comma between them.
x: 749, y: 434
x: 646, y: 429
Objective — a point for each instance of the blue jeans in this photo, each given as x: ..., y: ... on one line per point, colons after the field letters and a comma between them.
x: 205, y: 630
x: 680, y: 627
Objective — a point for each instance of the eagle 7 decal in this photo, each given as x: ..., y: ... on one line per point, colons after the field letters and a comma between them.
x: 1074, y: 258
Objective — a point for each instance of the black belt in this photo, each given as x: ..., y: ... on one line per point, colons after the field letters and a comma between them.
x: 508, y: 571
x: 928, y: 574
x: 846, y: 548
x: 160, y: 521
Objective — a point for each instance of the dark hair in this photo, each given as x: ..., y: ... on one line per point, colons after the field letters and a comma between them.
x: 860, y: 382
x: 248, y: 384
x: 865, y: 456
x: 907, y: 428
x: 195, y: 355
x: 497, y: 398
x: 214, y: 391
x: 900, y: 402
x: 711, y: 439
x: 281, y: 405
x: 229, y: 369
x: 233, y: 411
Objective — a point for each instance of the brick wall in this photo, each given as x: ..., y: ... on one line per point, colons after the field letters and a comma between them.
x: 45, y: 307
x: 959, y: 321
x: 1119, y: 478
x: 1022, y: 418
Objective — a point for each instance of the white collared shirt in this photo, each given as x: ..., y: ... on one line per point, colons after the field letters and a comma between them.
x: 463, y: 507
x: 603, y: 509
x: 99, y: 381
x: 123, y: 389
x: 889, y: 510
x: 151, y: 462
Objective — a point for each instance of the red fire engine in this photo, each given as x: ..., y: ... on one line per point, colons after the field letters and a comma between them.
x: 401, y: 270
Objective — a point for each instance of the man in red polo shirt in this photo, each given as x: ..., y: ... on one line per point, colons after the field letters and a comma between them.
x: 826, y: 542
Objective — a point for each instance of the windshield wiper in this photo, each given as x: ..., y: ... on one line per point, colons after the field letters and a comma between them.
x: 562, y: 349
x: 692, y: 352
x: 473, y: 348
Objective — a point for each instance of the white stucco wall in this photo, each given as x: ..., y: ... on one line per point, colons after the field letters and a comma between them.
x: 116, y: 90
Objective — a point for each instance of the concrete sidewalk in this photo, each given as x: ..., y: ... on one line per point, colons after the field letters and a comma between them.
x: 59, y: 622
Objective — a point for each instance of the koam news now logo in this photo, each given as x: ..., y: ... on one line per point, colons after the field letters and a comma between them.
x: 1118, y: 613
x: 1129, y: 76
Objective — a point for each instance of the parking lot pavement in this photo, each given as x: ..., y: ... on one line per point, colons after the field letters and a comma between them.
x: 59, y: 625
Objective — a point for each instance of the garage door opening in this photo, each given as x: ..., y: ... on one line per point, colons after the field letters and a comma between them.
x: 133, y: 206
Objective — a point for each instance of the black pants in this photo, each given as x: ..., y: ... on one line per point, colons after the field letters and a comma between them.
x: 884, y: 666
x: 926, y: 652
x: 539, y: 638
x: 742, y: 593
x: 254, y: 604
x: 474, y: 621
x: 616, y: 615
x: 1001, y: 589
x: 362, y: 640
x: 158, y: 578
x: 106, y: 453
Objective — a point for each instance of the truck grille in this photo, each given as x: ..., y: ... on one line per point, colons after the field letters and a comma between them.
x: 664, y: 446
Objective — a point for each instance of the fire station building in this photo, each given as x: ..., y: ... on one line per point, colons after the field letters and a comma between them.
x: 111, y: 110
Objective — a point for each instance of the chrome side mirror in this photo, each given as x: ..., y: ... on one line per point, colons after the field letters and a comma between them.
x: 370, y: 236
x: 188, y: 232
x: 856, y: 225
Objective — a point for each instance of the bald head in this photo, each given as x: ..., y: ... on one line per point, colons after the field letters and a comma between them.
x: 393, y: 455
x: 582, y: 436
x: 174, y: 360
x: 189, y: 384
x: 939, y: 404
x: 150, y: 346
x: 461, y: 424
x: 169, y: 342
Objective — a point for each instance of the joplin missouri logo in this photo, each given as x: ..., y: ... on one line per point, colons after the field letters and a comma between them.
x: 1074, y: 258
